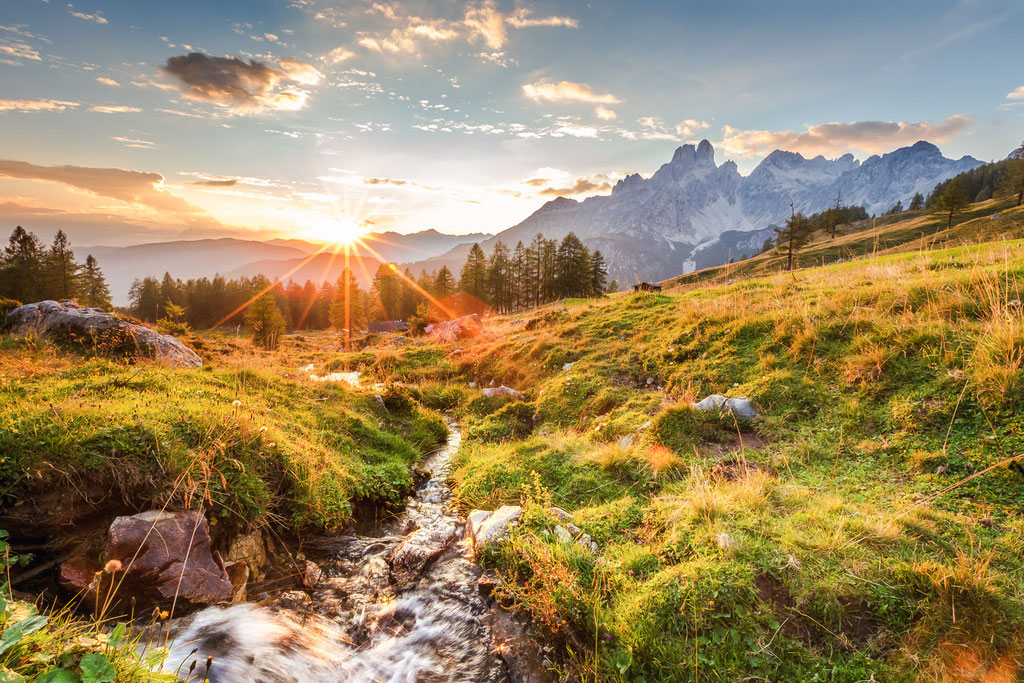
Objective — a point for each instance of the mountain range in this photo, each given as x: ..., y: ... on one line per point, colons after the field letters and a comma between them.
x: 693, y: 213
x: 278, y: 258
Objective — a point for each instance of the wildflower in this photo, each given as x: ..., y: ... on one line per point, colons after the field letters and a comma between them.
x: 236, y: 403
x: 630, y: 572
x: 112, y: 566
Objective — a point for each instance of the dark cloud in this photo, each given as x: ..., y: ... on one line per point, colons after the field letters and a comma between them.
x: 582, y: 186
x: 240, y: 84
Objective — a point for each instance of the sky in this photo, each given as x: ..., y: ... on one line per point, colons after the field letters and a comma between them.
x: 126, y: 122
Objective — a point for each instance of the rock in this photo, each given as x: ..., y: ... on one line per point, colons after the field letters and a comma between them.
x: 250, y: 549
x: 560, y: 514
x: 568, y: 366
x: 312, y: 575
x: 502, y: 391
x: 492, y: 527
x: 379, y: 400
x: 644, y: 426
x: 740, y: 407
x: 293, y: 600
x: 166, y: 554
x: 626, y: 441
x: 79, y: 575
x: 97, y: 329
x: 572, y: 529
x: 461, y: 328
x: 238, y: 574
x: 562, y: 535
x: 419, y: 549
x: 584, y: 541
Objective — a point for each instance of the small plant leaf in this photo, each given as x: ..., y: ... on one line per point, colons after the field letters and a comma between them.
x: 97, y: 669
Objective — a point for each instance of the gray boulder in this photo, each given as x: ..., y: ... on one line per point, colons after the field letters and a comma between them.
x: 94, y: 328
x: 502, y: 391
x: 740, y: 407
x: 484, y: 527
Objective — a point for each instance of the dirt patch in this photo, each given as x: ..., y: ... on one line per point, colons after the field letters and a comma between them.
x: 737, y: 468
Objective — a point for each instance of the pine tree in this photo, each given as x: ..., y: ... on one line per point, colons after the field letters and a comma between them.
x: 387, y: 292
x: 23, y: 267
x: 794, y: 235
x: 534, y: 269
x: 1013, y: 178
x: 356, y: 314
x: 574, y: 275
x: 598, y: 274
x: 264, y: 318
x: 952, y: 201
x: 473, y: 279
x: 498, y: 278
x: 444, y: 283
x: 94, y: 289
x: 613, y: 287
x: 917, y: 202
x: 61, y: 270
x: 518, y: 276
x: 145, y: 299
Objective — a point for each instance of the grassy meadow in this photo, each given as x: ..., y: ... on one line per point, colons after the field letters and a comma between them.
x: 867, y: 526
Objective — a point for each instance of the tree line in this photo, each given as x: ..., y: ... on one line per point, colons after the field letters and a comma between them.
x: 31, y: 271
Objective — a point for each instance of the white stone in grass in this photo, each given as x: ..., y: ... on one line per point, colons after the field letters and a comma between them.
x: 492, y: 527
x: 740, y: 407
x: 562, y: 534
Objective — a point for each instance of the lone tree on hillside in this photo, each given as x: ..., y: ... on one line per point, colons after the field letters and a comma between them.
x: 1013, y: 181
x: 793, y: 236
x: 952, y: 201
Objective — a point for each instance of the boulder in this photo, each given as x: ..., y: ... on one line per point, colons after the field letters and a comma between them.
x: 559, y: 514
x: 453, y: 330
x: 740, y: 407
x: 93, y: 328
x: 250, y: 549
x: 238, y: 573
x: 502, y: 391
x: 81, y: 576
x: 166, y: 554
x: 312, y: 575
x: 562, y: 534
x: 491, y: 527
x: 419, y: 549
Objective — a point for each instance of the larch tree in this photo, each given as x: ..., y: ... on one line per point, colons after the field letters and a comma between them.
x: 952, y: 201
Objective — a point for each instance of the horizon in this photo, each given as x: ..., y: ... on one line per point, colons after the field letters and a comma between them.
x: 282, y: 121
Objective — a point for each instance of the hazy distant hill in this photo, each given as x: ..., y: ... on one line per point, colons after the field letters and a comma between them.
x: 693, y: 213
x: 233, y: 257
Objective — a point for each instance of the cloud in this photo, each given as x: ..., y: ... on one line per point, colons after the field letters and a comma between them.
x: 230, y: 182
x: 108, y: 81
x: 582, y: 186
x: 36, y: 105
x: 1017, y: 94
x: 243, y: 86
x: 97, y: 18
x: 576, y: 131
x: 605, y: 113
x: 135, y: 143
x: 114, y: 109
x: 689, y: 127
x: 832, y: 139
x: 339, y: 55
x: 132, y: 187
x: 522, y: 19
x: 566, y: 91
x: 13, y: 49
x: 408, y: 39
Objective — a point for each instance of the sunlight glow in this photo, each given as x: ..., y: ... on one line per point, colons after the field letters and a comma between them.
x: 336, y: 230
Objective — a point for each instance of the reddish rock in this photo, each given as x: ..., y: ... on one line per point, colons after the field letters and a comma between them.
x: 78, y: 575
x: 460, y: 328
x: 238, y: 572
x: 167, y: 554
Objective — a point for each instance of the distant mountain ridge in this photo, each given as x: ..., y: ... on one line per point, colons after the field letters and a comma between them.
x: 692, y: 213
x: 234, y: 257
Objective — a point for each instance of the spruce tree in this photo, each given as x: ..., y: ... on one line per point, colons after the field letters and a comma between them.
x: 94, y: 290
x: 23, y: 267
x: 61, y: 269
x: 444, y: 283
x: 356, y: 314
x: 952, y: 201
x: 145, y: 299
x: 387, y: 292
x: 473, y: 279
x: 1013, y: 178
x: 264, y: 319
x: 598, y: 274
x: 498, y: 278
x: 917, y: 202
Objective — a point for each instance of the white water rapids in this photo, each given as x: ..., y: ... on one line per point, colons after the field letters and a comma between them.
x: 373, y: 617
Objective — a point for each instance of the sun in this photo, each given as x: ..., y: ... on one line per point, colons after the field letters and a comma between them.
x: 337, y: 230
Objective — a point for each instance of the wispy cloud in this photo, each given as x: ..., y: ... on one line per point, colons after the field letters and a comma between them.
x: 1016, y: 94
x: 108, y: 81
x: 136, y: 143
x: 566, y: 91
x: 114, y: 109
x: 838, y: 138
x: 96, y: 18
x: 27, y: 106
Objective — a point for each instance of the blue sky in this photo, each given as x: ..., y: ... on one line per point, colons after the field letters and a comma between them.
x: 134, y: 121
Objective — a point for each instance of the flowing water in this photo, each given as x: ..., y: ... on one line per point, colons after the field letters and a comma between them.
x: 399, y: 604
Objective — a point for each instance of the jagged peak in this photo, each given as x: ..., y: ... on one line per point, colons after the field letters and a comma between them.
x: 688, y: 153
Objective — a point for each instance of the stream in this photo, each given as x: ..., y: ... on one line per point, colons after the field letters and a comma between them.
x: 399, y: 604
